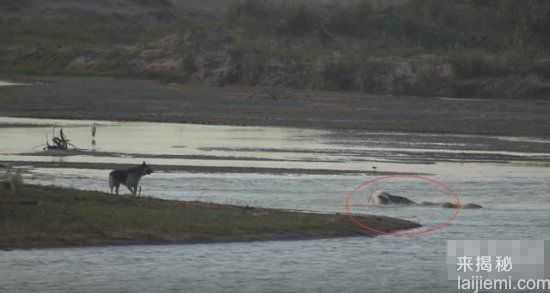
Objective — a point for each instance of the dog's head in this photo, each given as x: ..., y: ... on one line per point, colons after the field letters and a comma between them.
x: 146, y: 169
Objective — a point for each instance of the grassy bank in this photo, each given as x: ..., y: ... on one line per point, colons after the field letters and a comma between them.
x: 40, y: 217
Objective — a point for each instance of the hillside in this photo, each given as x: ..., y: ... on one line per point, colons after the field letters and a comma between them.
x: 455, y: 48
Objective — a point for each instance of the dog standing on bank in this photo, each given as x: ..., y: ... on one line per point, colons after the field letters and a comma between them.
x: 128, y: 177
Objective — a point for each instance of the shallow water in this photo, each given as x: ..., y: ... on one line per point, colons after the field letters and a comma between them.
x: 7, y: 83
x: 506, y: 175
x: 265, y: 147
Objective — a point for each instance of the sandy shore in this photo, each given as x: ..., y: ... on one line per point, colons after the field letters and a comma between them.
x: 41, y: 217
x: 145, y: 100
x: 205, y: 169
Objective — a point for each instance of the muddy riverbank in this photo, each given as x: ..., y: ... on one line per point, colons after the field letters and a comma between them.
x: 146, y: 100
x: 39, y: 217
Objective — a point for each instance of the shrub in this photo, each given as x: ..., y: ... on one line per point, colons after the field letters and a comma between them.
x: 349, y: 19
x: 298, y: 20
x: 250, y: 15
x: 335, y: 72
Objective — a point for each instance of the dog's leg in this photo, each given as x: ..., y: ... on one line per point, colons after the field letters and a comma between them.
x: 111, y: 184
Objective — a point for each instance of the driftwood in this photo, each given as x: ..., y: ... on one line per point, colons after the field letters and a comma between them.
x: 60, y: 142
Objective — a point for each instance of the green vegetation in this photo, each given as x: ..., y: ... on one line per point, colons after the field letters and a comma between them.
x: 54, y: 217
x: 423, y: 47
x: 428, y: 24
x: 461, y: 48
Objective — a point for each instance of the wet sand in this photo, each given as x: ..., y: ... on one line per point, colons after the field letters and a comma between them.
x: 204, y: 169
x: 145, y: 100
x: 78, y: 152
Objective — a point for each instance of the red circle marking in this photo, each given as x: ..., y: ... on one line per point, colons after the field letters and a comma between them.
x: 428, y: 230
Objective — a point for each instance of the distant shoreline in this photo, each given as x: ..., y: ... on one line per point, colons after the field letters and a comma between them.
x: 117, y: 99
x: 54, y: 217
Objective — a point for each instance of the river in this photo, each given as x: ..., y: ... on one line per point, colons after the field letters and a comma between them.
x: 507, y: 175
